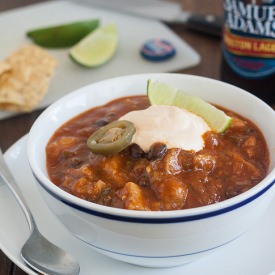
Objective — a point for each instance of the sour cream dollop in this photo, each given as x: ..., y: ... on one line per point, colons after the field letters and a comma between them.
x: 173, y: 126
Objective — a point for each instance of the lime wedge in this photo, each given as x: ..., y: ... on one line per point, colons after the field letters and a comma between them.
x: 162, y: 94
x: 65, y: 35
x: 96, y: 48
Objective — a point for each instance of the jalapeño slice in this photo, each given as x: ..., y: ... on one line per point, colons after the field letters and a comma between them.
x: 112, y: 138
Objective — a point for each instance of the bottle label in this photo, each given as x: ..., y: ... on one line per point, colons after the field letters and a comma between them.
x: 249, y: 37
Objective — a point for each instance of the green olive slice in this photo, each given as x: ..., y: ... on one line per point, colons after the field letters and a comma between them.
x: 112, y: 138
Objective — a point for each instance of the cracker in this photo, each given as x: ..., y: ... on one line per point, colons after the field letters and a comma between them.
x: 24, y: 78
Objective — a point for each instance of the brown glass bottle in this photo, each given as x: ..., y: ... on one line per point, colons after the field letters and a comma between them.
x: 248, y: 47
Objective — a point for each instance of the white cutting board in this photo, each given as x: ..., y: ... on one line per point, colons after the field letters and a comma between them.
x: 133, y: 32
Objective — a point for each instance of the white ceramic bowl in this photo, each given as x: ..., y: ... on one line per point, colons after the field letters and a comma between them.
x: 155, y: 239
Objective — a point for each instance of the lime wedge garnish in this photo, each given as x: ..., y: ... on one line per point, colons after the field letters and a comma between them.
x: 65, y: 35
x: 162, y: 94
x: 96, y: 48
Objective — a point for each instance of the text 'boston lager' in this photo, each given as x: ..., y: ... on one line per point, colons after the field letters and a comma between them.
x: 249, y: 46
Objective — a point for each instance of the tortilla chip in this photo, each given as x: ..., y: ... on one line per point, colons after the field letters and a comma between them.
x: 4, y: 67
x: 24, y: 78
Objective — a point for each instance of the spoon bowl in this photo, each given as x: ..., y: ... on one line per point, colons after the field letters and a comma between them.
x: 38, y: 252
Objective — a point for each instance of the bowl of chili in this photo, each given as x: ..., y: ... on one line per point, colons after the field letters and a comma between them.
x: 161, y: 208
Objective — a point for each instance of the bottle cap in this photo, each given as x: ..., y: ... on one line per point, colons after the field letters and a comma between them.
x: 157, y: 50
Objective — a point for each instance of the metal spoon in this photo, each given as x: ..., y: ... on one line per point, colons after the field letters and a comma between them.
x: 38, y: 252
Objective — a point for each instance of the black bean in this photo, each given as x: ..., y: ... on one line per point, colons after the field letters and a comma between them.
x: 143, y: 181
x: 156, y: 151
x: 111, y: 116
x: 101, y: 122
x: 135, y: 151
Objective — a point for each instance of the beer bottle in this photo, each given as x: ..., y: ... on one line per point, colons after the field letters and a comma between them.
x: 248, y: 46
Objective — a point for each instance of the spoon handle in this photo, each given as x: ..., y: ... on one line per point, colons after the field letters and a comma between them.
x: 7, y: 178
